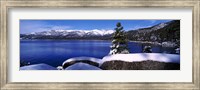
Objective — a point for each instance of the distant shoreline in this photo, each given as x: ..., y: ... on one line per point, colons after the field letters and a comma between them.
x: 66, y: 39
x: 148, y: 42
x: 164, y: 44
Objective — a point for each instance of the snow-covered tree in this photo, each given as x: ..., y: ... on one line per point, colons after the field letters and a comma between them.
x: 119, y: 43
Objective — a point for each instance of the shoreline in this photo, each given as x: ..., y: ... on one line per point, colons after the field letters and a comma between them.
x: 63, y: 39
x: 164, y: 44
x: 147, y: 42
x: 111, y: 65
x: 139, y: 61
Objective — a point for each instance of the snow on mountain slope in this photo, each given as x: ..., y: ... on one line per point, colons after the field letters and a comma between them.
x: 155, y: 27
x: 94, y: 32
x: 159, y: 26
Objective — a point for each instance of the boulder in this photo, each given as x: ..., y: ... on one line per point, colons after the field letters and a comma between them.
x: 82, y: 66
x: 41, y: 66
x: 87, y: 60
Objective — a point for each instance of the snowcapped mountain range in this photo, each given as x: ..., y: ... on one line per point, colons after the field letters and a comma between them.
x: 82, y: 33
x: 79, y: 33
x: 138, y: 34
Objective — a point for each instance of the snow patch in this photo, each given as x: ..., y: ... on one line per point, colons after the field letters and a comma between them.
x: 82, y: 66
x: 81, y: 59
x: 38, y: 67
x: 143, y: 57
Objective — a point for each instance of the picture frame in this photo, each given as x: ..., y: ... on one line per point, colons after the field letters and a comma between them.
x: 4, y: 43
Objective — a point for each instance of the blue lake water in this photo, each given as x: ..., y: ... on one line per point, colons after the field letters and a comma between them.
x: 55, y: 52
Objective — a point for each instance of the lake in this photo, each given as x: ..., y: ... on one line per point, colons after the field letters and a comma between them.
x: 55, y: 52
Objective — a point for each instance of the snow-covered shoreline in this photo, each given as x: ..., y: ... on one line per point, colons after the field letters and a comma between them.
x: 81, y: 59
x: 41, y: 66
x: 134, y: 57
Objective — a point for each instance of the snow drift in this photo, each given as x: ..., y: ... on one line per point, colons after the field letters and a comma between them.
x: 38, y: 67
x: 137, y: 57
x: 82, y: 59
x: 82, y: 66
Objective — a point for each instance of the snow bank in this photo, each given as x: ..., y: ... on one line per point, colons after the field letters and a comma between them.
x: 81, y: 59
x: 38, y: 67
x: 142, y: 57
x: 82, y: 66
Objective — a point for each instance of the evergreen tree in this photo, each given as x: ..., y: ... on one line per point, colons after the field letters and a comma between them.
x: 119, y: 43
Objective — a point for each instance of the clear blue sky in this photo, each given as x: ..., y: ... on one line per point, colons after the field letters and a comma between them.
x: 28, y: 26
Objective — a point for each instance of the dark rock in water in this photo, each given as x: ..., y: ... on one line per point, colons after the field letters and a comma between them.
x: 24, y: 63
x: 143, y: 65
x: 65, y: 65
x: 147, y: 49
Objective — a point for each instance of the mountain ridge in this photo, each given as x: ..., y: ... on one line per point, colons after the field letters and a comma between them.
x: 163, y: 32
x: 76, y: 32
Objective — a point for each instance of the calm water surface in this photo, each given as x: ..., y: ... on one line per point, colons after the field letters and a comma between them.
x: 55, y: 52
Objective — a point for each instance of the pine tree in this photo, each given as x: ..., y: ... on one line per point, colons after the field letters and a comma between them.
x: 119, y: 43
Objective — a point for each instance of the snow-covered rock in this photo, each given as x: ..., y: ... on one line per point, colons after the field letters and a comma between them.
x: 125, y: 51
x: 177, y: 50
x: 82, y: 66
x: 38, y: 67
x: 168, y: 44
x: 87, y: 60
x: 137, y: 57
x: 112, y: 51
x: 147, y: 49
x: 60, y: 68
x: 82, y: 58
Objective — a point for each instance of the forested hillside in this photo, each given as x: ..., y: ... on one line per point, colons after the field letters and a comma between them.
x: 169, y: 33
